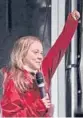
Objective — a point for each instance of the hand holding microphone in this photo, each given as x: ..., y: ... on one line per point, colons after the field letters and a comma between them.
x: 46, y: 101
x: 43, y: 94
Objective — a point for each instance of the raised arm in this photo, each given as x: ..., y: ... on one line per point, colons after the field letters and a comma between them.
x: 59, y: 48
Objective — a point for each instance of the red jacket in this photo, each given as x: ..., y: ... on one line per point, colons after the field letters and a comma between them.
x: 29, y: 104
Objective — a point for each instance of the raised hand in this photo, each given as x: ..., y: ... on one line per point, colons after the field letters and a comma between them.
x: 75, y: 14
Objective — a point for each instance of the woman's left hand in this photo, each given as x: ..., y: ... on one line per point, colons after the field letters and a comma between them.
x: 75, y: 14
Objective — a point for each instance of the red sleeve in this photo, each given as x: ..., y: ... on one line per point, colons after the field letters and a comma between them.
x: 14, y: 106
x: 56, y: 53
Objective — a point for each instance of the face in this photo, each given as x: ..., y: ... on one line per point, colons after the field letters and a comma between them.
x: 34, y: 57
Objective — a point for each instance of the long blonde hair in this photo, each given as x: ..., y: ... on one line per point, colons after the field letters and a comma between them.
x: 19, y: 52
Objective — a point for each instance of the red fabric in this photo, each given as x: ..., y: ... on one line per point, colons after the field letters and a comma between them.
x: 29, y: 104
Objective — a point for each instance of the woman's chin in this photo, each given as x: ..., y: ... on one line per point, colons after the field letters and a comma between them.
x: 37, y: 68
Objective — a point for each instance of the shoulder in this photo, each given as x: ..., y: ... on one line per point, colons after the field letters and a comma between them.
x: 4, y: 72
x: 3, y: 76
x: 10, y: 89
x: 10, y: 92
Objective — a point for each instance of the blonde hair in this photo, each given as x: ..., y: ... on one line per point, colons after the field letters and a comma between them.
x: 19, y: 51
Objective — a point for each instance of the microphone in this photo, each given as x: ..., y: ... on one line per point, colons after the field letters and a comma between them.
x: 41, y: 84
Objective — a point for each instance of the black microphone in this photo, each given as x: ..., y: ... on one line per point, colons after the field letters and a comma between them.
x: 41, y: 84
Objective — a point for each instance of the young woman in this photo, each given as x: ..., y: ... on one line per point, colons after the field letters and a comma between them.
x: 21, y: 95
